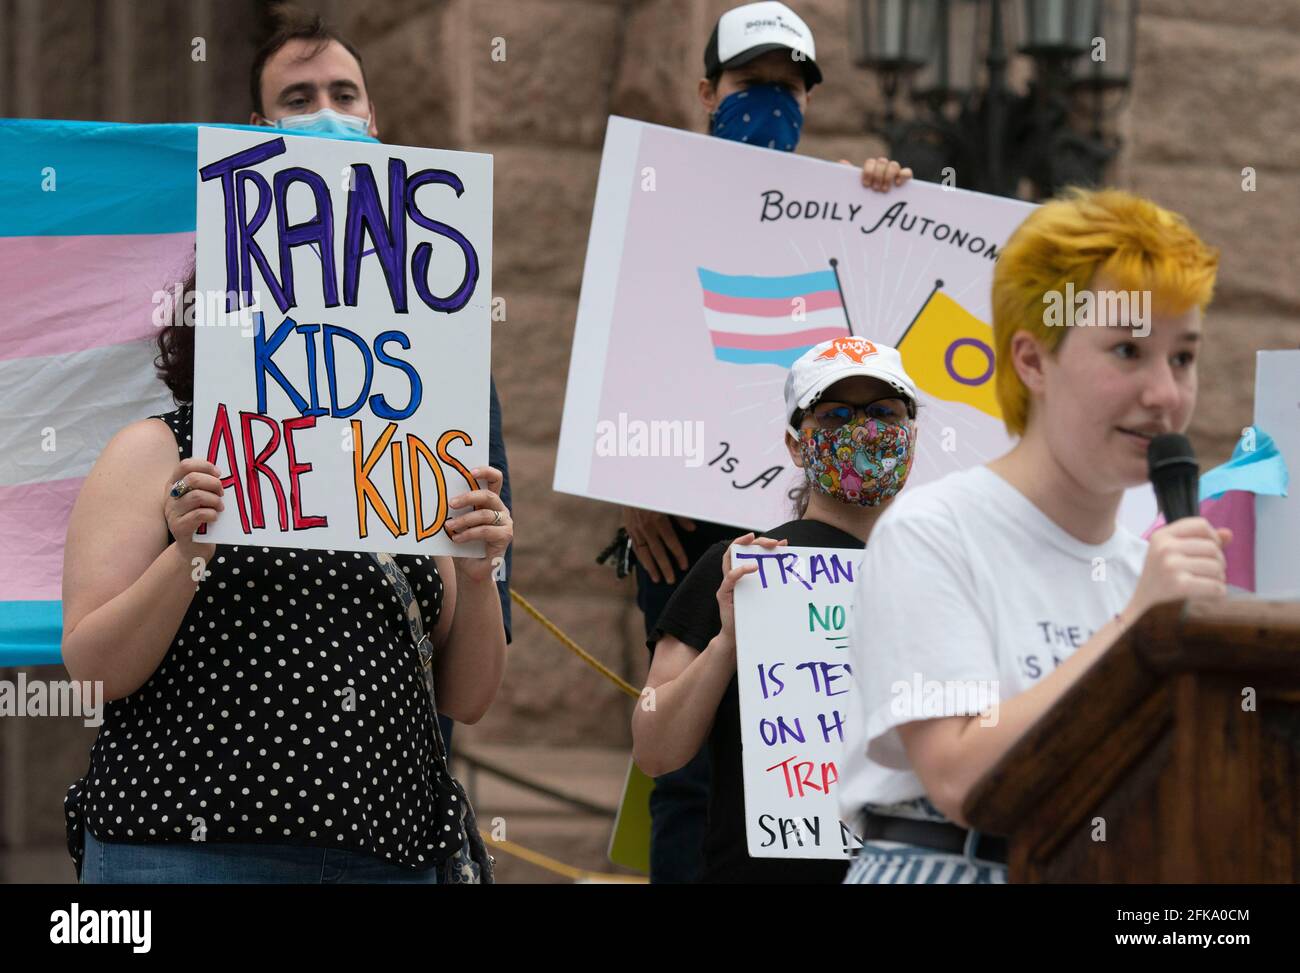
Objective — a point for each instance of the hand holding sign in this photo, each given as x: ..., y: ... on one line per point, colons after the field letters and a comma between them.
x: 193, y: 499
x: 881, y: 174
x: 490, y: 522
x: 730, y: 576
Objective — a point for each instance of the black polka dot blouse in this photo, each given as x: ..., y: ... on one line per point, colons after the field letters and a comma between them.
x: 289, y: 709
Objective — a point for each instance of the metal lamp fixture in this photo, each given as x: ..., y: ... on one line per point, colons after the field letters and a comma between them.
x: 968, y: 127
x: 950, y: 71
x: 893, y: 34
x: 1059, y: 27
x: 893, y: 37
x: 1116, y: 26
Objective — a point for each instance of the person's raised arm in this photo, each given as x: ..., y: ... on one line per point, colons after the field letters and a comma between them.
x: 684, y: 686
x: 676, y: 710
x: 126, y: 585
x: 950, y: 755
x: 470, y: 657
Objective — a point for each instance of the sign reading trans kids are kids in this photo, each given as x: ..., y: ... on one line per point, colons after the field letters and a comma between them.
x: 342, y: 338
x: 712, y: 266
x: 792, y: 670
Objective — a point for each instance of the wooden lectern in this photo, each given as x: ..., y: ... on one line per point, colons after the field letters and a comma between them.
x: 1180, y: 747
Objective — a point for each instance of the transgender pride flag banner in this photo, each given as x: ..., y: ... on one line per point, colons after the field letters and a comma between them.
x: 771, y: 320
x: 97, y: 227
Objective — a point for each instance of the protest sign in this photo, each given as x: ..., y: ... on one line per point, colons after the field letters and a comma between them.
x: 629, y: 840
x: 342, y: 342
x: 713, y: 265
x: 1277, y: 518
x: 793, y: 619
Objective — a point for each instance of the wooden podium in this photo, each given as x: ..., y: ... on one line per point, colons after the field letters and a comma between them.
x: 1180, y: 747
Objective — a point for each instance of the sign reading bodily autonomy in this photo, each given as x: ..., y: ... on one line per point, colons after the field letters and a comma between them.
x: 342, y: 338
x: 792, y: 630
x: 712, y: 266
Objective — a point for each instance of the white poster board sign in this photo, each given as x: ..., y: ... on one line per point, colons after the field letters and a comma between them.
x: 793, y: 619
x: 342, y: 338
x: 1277, y: 519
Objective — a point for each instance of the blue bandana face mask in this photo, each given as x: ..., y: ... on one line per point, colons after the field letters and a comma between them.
x: 766, y: 115
x: 328, y: 122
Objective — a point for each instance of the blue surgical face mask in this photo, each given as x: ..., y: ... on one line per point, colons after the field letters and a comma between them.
x: 766, y: 115
x: 328, y: 122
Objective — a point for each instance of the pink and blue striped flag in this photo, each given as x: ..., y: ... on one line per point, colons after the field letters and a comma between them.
x: 96, y: 221
x: 771, y: 320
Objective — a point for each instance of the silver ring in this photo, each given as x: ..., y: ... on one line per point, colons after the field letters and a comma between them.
x: 496, y: 517
x: 180, y: 488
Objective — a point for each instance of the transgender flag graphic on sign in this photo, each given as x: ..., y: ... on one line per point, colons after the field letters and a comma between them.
x: 771, y: 320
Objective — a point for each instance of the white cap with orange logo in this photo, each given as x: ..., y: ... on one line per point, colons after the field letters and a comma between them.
x: 823, y: 365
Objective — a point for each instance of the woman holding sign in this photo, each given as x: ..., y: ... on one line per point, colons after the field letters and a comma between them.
x: 1007, y: 581
x: 852, y: 429
x: 268, y: 719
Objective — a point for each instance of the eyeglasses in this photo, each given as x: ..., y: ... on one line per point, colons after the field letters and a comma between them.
x: 833, y: 415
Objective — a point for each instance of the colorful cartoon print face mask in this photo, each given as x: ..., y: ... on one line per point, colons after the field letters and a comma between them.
x: 865, y: 461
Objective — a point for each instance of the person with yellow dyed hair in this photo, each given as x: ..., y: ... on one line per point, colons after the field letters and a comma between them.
x: 1007, y: 581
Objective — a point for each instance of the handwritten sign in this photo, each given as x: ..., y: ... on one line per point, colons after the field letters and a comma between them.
x: 792, y: 630
x: 342, y: 338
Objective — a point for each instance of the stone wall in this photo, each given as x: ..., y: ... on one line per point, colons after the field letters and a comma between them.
x: 1214, y: 93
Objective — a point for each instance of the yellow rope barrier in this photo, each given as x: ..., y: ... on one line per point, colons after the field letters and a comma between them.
x: 558, y: 867
x: 576, y: 649
x: 542, y: 861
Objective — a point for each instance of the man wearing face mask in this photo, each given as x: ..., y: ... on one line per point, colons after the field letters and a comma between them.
x: 307, y: 78
x: 760, y: 68
x: 851, y: 428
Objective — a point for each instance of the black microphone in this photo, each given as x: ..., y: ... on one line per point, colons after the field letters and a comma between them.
x: 1175, y: 475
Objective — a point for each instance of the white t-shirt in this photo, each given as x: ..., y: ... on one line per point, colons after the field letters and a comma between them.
x: 967, y: 594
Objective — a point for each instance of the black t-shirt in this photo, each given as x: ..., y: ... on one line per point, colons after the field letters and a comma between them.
x: 692, y: 617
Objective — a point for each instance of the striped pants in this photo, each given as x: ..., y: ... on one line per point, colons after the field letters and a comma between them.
x: 891, y: 863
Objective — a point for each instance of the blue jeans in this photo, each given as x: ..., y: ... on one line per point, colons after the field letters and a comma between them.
x: 227, y: 862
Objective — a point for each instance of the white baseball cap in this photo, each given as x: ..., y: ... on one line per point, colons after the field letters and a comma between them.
x: 823, y: 365
x: 749, y: 31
